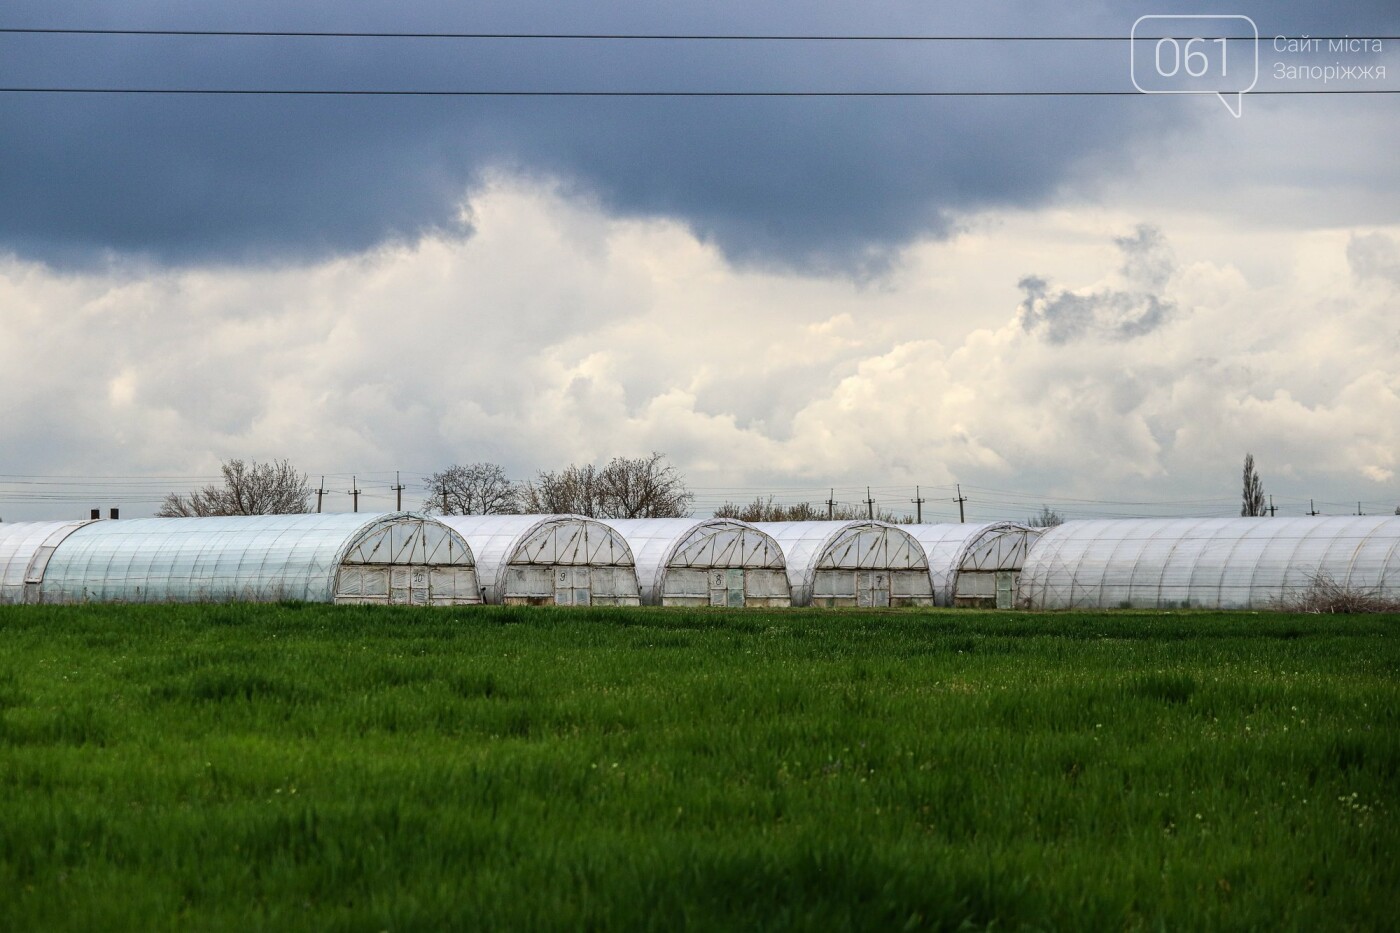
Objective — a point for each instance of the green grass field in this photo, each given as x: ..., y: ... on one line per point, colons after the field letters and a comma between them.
x: 303, y: 767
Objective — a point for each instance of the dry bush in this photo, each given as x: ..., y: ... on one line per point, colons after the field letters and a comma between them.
x: 766, y: 510
x: 1326, y: 595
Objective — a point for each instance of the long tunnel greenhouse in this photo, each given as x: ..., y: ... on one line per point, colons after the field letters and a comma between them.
x: 395, y: 558
x: 853, y: 563
x: 705, y: 562
x: 1210, y: 563
x: 25, y: 548
x: 563, y: 560
x: 975, y: 564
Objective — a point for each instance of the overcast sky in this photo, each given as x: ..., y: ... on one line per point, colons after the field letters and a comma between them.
x: 1096, y: 302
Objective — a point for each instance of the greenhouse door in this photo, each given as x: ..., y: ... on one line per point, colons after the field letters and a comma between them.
x: 727, y: 587
x: 873, y: 589
x: 571, y: 587
x: 1006, y: 589
x: 408, y: 586
x: 529, y: 586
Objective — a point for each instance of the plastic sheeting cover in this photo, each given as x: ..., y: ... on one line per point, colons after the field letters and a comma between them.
x: 20, y: 543
x: 659, y: 544
x: 948, y: 546
x: 852, y: 545
x: 1217, y: 563
x: 498, y: 541
x: 256, y: 558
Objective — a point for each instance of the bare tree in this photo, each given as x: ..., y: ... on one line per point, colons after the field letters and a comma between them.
x: 471, y: 489
x: 253, y: 488
x: 1048, y: 518
x: 642, y: 487
x: 628, y: 487
x: 572, y: 490
x: 1253, y: 502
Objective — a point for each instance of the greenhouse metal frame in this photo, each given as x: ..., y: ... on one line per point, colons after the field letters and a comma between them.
x: 25, y: 548
x: 852, y: 563
x: 393, y: 558
x: 706, y: 562
x: 974, y: 564
x: 1213, y: 563
x: 564, y: 560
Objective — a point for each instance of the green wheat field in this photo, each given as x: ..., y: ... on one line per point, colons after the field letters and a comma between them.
x: 320, y: 768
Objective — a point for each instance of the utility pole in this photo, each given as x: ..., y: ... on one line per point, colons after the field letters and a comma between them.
x: 869, y: 504
x: 918, y: 507
x: 831, y: 505
x: 444, y: 497
x: 355, y: 493
x: 962, y: 515
x: 1311, y: 509
x: 1272, y: 510
x: 320, y: 494
x: 398, y: 490
x: 1358, y: 508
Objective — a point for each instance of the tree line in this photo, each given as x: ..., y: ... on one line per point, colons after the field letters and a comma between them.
x: 625, y: 487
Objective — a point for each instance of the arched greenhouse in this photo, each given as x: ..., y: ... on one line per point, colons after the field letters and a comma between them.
x: 565, y: 560
x: 705, y: 562
x: 396, y: 558
x: 974, y: 564
x: 1211, y: 563
x: 856, y: 563
x: 25, y: 548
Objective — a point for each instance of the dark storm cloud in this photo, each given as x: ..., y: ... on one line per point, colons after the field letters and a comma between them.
x: 815, y: 183
x: 1061, y: 315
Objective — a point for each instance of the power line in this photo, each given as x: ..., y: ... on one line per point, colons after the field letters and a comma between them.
x: 587, y: 36
x: 419, y: 92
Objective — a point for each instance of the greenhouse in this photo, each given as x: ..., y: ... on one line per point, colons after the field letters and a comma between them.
x: 975, y: 564
x: 1213, y: 563
x: 397, y: 558
x: 857, y: 563
x: 25, y: 548
x: 564, y: 560
x: 705, y: 562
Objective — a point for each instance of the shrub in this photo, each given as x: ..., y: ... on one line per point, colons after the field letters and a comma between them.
x: 1326, y: 595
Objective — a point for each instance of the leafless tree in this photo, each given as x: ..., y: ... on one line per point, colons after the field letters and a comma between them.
x: 1048, y: 518
x: 252, y: 488
x: 471, y: 489
x: 1253, y: 504
x: 628, y: 487
x: 642, y: 487
x: 571, y: 490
